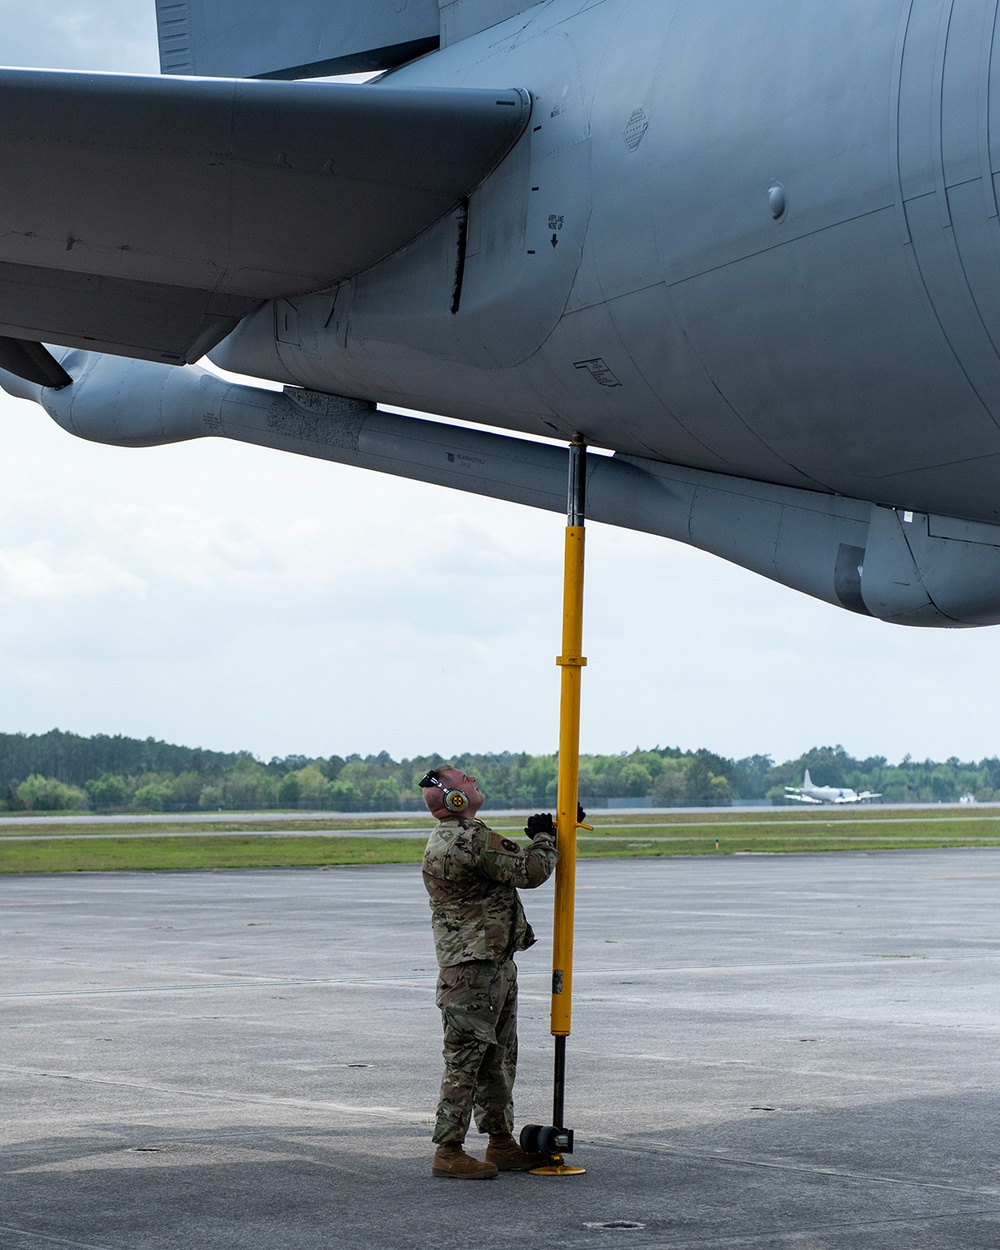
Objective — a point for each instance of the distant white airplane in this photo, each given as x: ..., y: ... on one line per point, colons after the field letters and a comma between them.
x: 808, y: 793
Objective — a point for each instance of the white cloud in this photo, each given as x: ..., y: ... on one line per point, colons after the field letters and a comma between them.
x: 117, y: 35
x: 40, y: 570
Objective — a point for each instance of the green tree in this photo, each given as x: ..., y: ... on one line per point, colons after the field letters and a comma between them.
x: 289, y: 789
x: 652, y: 761
x: 154, y: 796
x: 703, y: 784
x: 185, y: 790
x: 249, y: 786
x: 749, y: 776
x: 313, y: 787
x: 719, y: 791
x: 385, y: 795
x: 108, y: 790
x: 46, y: 794
x: 538, y: 780
x: 355, y: 771
x: 345, y: 796
x: 828, y: 766
x: 211, y: 798
x: 634, y: 780
x: 942, y: 786
x: 672, y: 784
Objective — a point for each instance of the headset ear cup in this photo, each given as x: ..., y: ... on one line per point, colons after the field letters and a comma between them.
x: 456, y: 801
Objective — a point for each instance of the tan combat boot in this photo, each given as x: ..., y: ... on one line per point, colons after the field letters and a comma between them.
x: 451, y: 1160
x: 507, y: 1155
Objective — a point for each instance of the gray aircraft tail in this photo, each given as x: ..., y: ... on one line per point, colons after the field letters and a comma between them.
x: 313, y: 38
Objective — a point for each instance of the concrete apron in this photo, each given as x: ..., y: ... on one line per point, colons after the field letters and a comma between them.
x: 767, y: 1051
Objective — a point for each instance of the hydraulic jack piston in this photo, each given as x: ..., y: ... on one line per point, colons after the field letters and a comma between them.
x: 555, y: 1139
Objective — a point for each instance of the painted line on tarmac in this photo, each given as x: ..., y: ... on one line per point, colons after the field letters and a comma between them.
x: 392, y: 1113
x: 249, y: 984
x: 586, y: 972
x: 49, y: 1240
x: 644, y: 1146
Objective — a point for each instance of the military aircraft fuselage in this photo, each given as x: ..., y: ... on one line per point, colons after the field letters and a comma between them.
x: 753, y: 250
x: 759, y: 240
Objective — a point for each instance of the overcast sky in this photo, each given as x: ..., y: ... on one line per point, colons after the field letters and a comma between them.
x: 225, y: 596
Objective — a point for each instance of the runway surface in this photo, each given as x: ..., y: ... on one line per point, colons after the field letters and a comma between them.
x: 768, y: 1051
x: 83, y: 819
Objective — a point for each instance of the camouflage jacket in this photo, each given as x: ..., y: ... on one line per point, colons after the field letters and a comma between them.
x: 472, y: 875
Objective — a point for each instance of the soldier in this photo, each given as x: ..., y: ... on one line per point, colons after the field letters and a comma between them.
x: 472, y: 875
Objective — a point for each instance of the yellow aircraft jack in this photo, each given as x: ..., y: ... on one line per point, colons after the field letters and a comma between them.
x: 555, y: 1139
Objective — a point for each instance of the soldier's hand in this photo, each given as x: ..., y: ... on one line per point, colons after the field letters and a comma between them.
x: 542, y: 823
x: 581, y: 815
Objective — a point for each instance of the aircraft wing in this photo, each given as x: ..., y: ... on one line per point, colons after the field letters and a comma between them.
x: 793, y: 794
x: 146, y: 216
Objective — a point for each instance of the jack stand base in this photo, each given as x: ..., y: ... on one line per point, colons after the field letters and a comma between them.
x: 557, y: 1168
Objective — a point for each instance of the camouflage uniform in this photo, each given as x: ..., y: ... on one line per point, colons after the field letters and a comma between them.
x: 472, y: 875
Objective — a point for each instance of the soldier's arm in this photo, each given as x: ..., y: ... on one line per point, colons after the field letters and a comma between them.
x: 502, y: 859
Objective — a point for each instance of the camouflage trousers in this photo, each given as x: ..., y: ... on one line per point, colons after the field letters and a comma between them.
x: 478, y: 1002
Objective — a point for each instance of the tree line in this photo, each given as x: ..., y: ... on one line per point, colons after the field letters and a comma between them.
x: 59, y: 771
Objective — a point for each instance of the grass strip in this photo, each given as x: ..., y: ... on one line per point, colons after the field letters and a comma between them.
x: 660, y: 848
x: 172, y: 854
x: 988, y: 819
x: 194, y: 852
x: 238, y: 824
x: 905, y: 828
x: 606, y: 822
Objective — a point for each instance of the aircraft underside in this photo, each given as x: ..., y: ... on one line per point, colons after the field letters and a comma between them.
x: 752, y: 250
